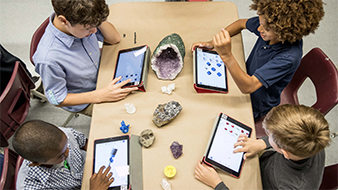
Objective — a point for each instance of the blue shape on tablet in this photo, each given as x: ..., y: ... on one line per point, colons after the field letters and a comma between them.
x: 219, y: 65
x: 208, y: 63
x: 131, y: 75
x: 213, y: 69
x: 113, y: 153
x: 209, y: 73
x: 219, y: 74
x: 126, y: 76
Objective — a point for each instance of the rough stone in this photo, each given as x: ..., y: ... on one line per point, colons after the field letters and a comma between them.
x: 165, y: 113
x: 147, y: 138
x: 167, y: 59
x: 176, y: 149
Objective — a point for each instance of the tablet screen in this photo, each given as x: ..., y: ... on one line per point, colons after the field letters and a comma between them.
x: 113, y: 152
x: 220, y: 152
x: 210, y: 70
x: 130, y: 64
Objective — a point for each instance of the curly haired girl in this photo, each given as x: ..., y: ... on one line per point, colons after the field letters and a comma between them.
x: 280, y: 26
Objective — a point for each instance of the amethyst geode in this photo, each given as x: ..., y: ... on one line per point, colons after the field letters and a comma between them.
x: 167, y: 59
x: 176, y: 149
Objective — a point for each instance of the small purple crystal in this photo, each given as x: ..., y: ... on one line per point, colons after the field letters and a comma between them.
x: 176, y: 149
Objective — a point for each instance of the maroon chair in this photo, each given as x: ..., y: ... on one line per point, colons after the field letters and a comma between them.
x: 330, y: 178
x: 14, y: 103
x: 11, y: 166
x: 323, y: 74
x: 36, y: 38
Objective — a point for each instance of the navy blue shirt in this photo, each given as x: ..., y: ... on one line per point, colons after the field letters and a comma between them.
x: 274, y: 66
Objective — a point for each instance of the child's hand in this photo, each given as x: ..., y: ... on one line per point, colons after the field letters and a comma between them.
x: 249, y: 145
x: 207, y: 174
x: 114, y: 92
x: 100, y: 180
x: 207, y: 45
x: 222, y: 43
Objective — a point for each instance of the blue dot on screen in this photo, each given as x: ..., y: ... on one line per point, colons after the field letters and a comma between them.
x: 219, y: 65
x: 209, y: 73
x: 213, y: 69
x: 208, y: 63
x: 219, y: 74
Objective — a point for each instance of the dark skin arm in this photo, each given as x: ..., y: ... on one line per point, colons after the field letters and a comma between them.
x: 101, y: 180
x: 221, y: 42
x: 85, y: 146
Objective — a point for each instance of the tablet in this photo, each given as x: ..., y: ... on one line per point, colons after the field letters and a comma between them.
x: 210, y: 71
x: 221, y: 146
x: 113, y: 152
x: 130, y: 65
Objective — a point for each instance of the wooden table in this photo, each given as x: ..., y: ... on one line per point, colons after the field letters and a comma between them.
x: 193, y: 21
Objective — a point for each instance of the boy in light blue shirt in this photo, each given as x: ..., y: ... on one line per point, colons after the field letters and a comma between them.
x: 68, y: 56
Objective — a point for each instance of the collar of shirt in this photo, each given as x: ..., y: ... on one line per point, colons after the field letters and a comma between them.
x: 64, y: 38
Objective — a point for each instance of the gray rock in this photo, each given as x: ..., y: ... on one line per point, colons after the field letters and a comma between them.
x: 165, y: 113
x: 147, y: 138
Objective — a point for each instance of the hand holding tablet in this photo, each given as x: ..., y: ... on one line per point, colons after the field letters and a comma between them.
x: 132, y: 64
x: 209, y: 72
x: 220, y: 150
x: 113, y: 152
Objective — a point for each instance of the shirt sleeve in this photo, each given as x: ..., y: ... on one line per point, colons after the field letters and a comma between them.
x: 266, y: 140
x: 80, y: 138
x: 54, y: 81
x: 221, y: 186
x: 252, y: 25
x: 274, y: 70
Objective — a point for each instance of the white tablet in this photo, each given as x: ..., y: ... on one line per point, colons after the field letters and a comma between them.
x: 113, y: 152
x: 209, y: 71
x: 220, y: 148
x: 131, y: 64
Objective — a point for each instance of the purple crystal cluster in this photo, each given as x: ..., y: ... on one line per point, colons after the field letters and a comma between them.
x: 167, y: 64
x: 176, y: 149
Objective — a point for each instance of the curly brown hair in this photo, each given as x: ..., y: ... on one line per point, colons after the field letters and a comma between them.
x: 298, y: 129
x: 290, y: 19
x: 83, y: 12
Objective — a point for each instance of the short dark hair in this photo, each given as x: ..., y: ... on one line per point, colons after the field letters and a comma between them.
x: 290, y: 19
x: 83, y: 12
x: 36, y: 140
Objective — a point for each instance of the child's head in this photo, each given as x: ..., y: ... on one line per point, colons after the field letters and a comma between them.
x: 88, y: 13
x: 290, y: 19
x: 298, y: 129
x: 41, y: 142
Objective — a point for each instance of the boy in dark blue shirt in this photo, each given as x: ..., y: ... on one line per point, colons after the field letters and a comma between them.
x: 280, y: 26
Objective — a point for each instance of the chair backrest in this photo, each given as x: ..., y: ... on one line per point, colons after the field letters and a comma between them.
x: 330, y: 178
x: 11, y: 165
x: 36, y: 38
x: 14, y: 102
x: 323, y: 74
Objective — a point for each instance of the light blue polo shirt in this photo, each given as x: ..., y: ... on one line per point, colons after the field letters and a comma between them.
x: 67, y: 64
